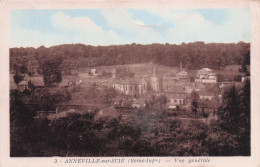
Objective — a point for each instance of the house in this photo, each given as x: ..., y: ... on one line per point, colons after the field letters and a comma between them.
x: 182, y: 74
x: 23, y: 85
x: 36, y: 81
x: 212, y: 76
x: 205, y: 95
x: 205, y: 75
x: 175, y: 99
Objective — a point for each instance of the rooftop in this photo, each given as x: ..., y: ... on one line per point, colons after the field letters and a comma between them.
x: 206, y: 69
x: 37, y: 80
x: 23, y: 83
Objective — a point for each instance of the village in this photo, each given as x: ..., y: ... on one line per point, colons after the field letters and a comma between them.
x: 184, y: 93
x: 130, y: 82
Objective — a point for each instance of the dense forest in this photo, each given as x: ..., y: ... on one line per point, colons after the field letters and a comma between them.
x: 74, y: 56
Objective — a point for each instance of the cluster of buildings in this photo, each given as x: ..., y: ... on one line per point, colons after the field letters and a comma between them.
x: 176, y: 85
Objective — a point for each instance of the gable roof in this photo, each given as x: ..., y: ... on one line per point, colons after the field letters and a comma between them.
x: 23, y: 83
x: 206, y: 69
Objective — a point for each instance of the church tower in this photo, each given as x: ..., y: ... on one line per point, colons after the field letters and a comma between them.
x: 155, y: 80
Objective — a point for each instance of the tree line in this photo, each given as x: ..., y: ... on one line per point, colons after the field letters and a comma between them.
x: 74, y: 56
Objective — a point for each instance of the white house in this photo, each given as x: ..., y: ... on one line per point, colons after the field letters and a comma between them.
x: 204, y: 95
x: 182, y: 74
x: 205, y: 75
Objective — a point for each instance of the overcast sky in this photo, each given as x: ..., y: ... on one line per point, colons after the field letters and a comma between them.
x: 126, y: 26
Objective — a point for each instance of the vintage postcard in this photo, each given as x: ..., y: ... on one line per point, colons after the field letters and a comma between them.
x: 130, y: 83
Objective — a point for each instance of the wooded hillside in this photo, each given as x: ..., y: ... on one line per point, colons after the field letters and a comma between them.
x: 193, y: 55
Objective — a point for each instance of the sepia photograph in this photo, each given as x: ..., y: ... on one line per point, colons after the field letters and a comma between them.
x: 129, y: 84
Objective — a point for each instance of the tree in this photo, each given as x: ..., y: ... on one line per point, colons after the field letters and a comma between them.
x: 246, y: 61
x: 234, y: 116
x: 230, y: 110
x: 143, y: 147
x: 46, y: 100
x: 162, y: 101
x: 23, y: 69
x: 21, y: 116
x: 50, y: 62
x: 18, y: 78
x: 222, y: 143
x: 51, y: 69
x: 194, y: 101
x: 245, y: 132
